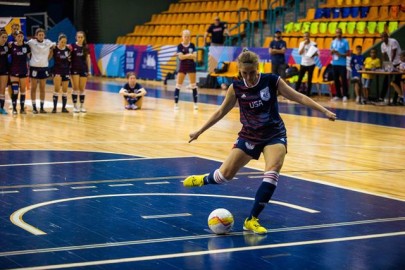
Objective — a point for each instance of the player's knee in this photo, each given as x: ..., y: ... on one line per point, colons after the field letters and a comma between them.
x: 15, y: 86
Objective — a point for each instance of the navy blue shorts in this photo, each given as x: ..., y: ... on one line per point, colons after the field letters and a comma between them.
x: 39, y: 72
x: 80, y: 73
x: 254, y: 150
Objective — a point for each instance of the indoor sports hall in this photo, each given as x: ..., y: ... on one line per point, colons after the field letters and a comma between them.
x: 104, y: 189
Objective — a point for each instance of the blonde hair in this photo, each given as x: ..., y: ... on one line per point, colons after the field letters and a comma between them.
x: 186, y: 32
x: 248, y: 58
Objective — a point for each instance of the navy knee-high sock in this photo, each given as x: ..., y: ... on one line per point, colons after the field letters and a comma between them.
x: 264, y: 193
x: 176, y: 95
x: 195, y: 95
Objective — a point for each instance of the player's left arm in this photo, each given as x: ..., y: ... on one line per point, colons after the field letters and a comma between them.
x: 291, y: 94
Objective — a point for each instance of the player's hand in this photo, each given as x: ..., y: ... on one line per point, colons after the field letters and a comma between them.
x: 331, y: 116
x: 194, y: 136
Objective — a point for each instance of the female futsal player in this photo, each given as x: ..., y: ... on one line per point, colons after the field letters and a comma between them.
x: 61, y: 56
x: 39, y: 62
x: 79, y: 70
x: 263, y: 131
x: 187, y: 55
x: 4, y: 51
x: 133, y: 93
x: 20, y: 53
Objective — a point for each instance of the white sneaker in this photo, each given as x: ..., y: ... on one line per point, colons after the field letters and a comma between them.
x: 75, y: 109
x: 176, y: 107
x: 195, y: 107
x: 344, y: 99
x: 335, y: 99
x: 134, y: 107
x: 82, y: 109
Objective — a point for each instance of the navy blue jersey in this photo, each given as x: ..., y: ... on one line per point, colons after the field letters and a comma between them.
x: 79, y: 59
x: 4, y: 51
x: 186, y: 65
x: 278, y: 58
x: 62, y: 61
x: 217, y: 33
x: 132, y: 89
x: 356, y: 63
x: 259, y: 109
x: 19, y: 57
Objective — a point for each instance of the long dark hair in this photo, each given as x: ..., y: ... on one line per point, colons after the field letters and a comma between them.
x: 86, y: 50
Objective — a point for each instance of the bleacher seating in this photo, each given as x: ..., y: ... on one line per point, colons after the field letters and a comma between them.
x: 195, y: 15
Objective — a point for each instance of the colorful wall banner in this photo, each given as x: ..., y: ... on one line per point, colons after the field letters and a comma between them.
x: 154, y: 62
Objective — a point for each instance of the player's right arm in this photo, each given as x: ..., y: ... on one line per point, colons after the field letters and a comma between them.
x: 227, y: 105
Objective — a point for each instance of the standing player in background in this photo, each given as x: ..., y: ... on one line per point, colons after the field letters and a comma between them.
x: 39, y: 67
x: 356, y: 64
x: 263, y: 131
x: 218, y: 31
x: 133, y: 93
x: 20, y: 52
x: 187, y: 55
x: 4, y: 51
x: 61, y: 56
x: 79, y: 70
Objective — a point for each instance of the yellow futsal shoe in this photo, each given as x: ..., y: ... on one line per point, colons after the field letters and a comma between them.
x: 254, y: 226
x: 194, y: 181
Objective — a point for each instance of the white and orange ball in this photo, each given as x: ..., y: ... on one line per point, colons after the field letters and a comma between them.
x: 220, y: 221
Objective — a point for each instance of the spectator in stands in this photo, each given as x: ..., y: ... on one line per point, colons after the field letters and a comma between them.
x: 390, y: 50
x: 39, y: 62
x: 277, y: 51
x: 307, y: 61
x: 14, y: 28
x: 79, y: 70
x: 4, y: 51
x: 356, y: 64
x: 218, y: 31
x: 402, y: 68
x: 187, y: 55
x: 371, y: 63
x: 61, y: 55
x: 19, y: 52
x: 340, y: 50
x: 133, y: 93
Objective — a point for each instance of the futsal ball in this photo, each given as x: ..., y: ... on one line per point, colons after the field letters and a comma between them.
x: 220, y: 221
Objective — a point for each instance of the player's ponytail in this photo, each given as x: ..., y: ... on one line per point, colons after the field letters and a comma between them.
x: 248, y: 57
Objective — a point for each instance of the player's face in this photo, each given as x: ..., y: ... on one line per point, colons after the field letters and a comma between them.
x: 373, y: 54
x: 40, y: 36
x: 15, y: 27
x: 339, y: 33
x: 3, y: 38
x: 186, y: 38
x: 80, y: 38
x: 249, y: 73
x: 132, y: 80
x: 358, y: 51
x: 19, y: 38
x: 62, y: 42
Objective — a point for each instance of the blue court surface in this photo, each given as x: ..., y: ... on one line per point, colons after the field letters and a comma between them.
x: 89, y: 210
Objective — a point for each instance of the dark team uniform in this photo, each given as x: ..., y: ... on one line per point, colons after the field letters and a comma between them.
x: 262, y: 124
x: 217, y: 33
x: 186, y: 65
x: 78, y: 61
x: 4, y: 51
x: 62, y: 62
x: 135, y: 90
x: 19, y: 57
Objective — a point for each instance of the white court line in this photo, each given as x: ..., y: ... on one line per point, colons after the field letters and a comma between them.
x: 44, y: 189
x: 157, y: 183
x: 120, y: 185
x: 216, y: 251
x: 9, y: 191
x: 167, y: 216
x: 195, y: 237
x: 83, y: 187
x: 17, y: 217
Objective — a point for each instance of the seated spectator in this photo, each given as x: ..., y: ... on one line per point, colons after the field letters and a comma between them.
x: 133, y: 93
